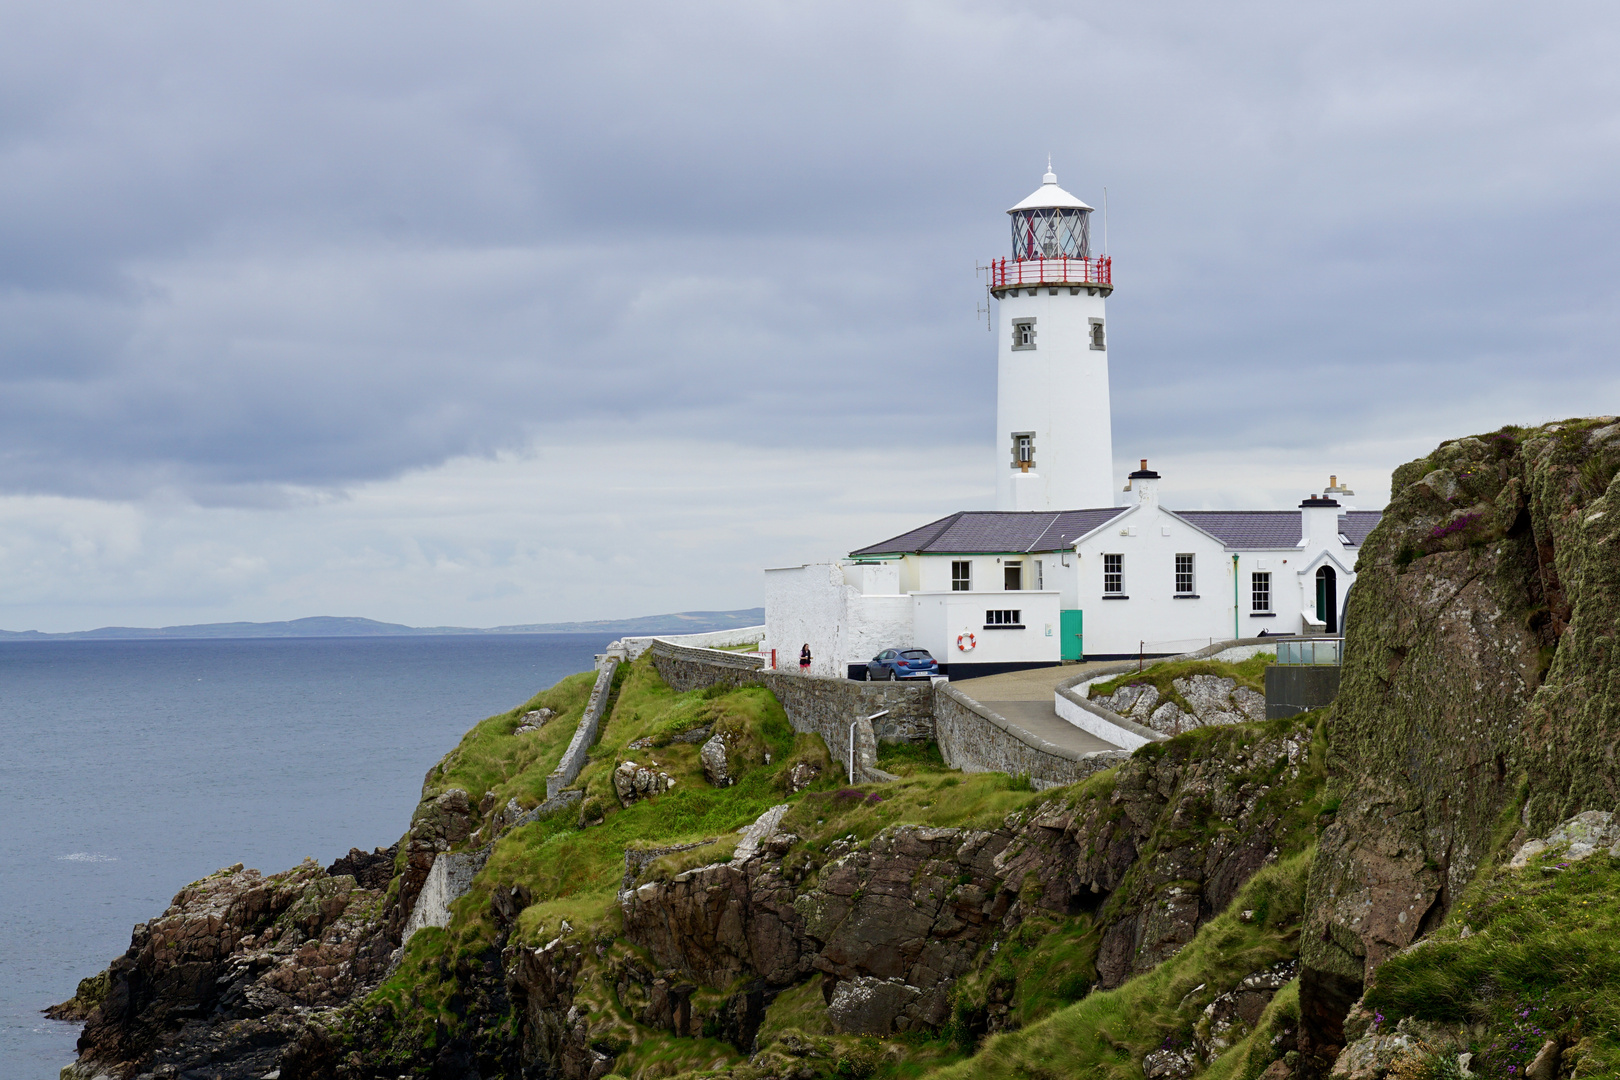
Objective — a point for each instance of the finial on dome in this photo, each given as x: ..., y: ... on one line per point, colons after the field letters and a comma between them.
x: 1050, y: 177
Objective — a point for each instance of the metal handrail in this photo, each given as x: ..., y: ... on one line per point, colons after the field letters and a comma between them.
x: 1097, y: 271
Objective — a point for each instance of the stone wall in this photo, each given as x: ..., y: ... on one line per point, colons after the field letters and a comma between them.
x: 590, y: 725
x: 975, y: 739
x: 812, y: 702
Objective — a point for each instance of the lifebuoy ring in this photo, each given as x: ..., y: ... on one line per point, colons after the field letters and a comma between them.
x: 966, y: 642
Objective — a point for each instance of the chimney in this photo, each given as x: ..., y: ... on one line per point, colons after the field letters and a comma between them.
x: 1318, y: 522
x: 1145, y: 482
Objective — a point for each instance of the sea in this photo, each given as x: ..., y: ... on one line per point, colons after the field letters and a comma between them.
x: 130, y: 768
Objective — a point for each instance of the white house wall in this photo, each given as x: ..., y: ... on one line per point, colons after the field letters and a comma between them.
x: 1152, y: 619
x: 940, y: 617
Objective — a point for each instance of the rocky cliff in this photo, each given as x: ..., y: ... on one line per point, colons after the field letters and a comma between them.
x: 713, y: 900
x: 1480, y: 701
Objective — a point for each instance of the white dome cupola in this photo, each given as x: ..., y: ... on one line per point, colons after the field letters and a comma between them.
x: 1051, y: 224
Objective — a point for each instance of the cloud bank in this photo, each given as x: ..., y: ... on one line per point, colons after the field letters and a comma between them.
x: 271, y: 276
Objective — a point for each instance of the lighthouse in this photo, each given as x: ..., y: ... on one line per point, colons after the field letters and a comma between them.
x: 1054, y: 440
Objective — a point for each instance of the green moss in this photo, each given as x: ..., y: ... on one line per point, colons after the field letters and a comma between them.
x: 906, y: 759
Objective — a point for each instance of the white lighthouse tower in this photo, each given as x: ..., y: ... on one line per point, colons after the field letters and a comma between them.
x: 1054, y: 440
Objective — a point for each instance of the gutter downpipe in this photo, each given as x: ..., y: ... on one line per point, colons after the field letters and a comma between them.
x: 1234, y: 597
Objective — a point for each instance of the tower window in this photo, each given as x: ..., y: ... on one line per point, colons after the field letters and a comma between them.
x: 961, y: 576
x: 1184, y: 575
x: 1260, y: 591
x: 1113, y: 574
x: 1023, y: 450
x: 1098, y: 343
x: 1023, y: 331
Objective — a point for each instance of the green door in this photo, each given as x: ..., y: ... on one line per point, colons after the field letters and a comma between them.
x: 1074, y: 640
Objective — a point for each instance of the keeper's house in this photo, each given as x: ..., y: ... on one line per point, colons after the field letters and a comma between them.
x: 987, y: 591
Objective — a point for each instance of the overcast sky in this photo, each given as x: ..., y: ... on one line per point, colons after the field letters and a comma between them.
x: 509, y: 312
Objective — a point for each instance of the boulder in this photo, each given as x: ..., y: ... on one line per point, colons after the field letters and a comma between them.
x: 802, y: 775
x: 533, y: 721
x: 713, y: 756
x: 867, y: 1006
x: 633, y: 782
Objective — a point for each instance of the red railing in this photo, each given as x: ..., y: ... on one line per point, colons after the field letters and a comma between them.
x: 1098, y: 271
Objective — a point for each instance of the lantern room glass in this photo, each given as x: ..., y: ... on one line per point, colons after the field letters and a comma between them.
x: 1051, y: 233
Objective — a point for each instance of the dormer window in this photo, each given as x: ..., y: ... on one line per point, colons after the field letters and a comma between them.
x: 1023, y: 331
x: 1098, y: 343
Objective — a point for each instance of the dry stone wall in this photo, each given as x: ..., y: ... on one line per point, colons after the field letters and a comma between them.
x: 590, y: 725
x: 813, y: 704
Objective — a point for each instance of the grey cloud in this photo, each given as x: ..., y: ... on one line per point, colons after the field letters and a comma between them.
x: 302, y: 245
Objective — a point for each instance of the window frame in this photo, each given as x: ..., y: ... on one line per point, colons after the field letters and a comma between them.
x: 1257, y: 579
x: 1023, y: 334
x: 964, y: 581
x: 1008, y: 569
x: 1004, y: 619
x: 1027, y: 436
x: 1116, y: 560
x: 1187, y: 577
x: 1099, y: 338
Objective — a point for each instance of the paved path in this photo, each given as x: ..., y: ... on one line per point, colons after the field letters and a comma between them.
x: 1025, y: 698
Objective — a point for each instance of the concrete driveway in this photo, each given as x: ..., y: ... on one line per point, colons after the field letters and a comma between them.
x: 1025, y: 698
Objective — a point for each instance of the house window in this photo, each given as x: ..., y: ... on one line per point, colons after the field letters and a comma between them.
x: 1012, y: 574
x: 1113, y: 574
x: 961, y: 576
x: 1040, y: 575
x: 1098, y: 344
x: 1023, y: 331
x: 1184, y: 574
x: 1023, y: 450
x: 1004, y: 619
x: 1260, y: 591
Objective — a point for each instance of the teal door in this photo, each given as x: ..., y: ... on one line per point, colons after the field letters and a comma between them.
x: 1074, y: 640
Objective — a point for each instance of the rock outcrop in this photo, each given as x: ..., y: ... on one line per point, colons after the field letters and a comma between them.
x: 891, y: 924
x: 1209, y: 699
x: 228, y: 971
x: 1479, y: 687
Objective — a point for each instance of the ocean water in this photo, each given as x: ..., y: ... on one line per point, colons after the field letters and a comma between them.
x: 128, y: 769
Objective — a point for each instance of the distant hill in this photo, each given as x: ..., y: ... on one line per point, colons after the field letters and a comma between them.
x: 680, y: 622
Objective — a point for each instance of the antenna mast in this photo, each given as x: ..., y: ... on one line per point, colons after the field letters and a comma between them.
x: 984, y: 309
x: 1105, y: 223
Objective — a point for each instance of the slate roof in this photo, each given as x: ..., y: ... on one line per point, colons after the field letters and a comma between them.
x: 984, y: 531
x: 1356, y: 524
x: 1249, y: 530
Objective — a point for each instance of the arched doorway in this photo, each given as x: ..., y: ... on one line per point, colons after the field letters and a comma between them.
x: 1327, y: 598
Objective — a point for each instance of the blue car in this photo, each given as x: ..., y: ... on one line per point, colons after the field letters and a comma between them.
x: 893, y: 664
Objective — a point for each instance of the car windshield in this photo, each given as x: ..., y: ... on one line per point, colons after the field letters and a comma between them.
x: 916, y: 654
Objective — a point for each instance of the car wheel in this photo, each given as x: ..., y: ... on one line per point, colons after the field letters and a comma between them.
x: 894, y: 676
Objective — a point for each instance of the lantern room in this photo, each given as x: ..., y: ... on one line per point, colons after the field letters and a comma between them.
x: 1051, y: 224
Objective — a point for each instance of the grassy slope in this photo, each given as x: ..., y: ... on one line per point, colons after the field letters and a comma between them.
x: 1541, y: 953
x: 1107, y: 1033
x: 573, y: 874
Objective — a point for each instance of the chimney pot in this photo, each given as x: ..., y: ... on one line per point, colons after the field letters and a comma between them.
x: 1144, y: 464
x: 1333, y: 481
